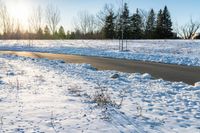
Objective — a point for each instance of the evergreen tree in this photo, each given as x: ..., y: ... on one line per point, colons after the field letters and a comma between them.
x: 150, y: 25
x: 56, y: 35
x: 109, y: 26
x: 47, y: 32
x: 39, y: 33
x: 124, y: 23
x: 159, y: 25
x: 78, y: 34
x: 167, y: 24
x: 18, y: 33
x: 72, y: 35
x: 136, y: 26
x: 61, y: 33
x: 164, y: 25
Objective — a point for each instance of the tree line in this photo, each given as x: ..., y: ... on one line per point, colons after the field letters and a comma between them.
x: 108, y: 23
x: 128, y: 26
x: 42, y: 24
x: 122, y: 24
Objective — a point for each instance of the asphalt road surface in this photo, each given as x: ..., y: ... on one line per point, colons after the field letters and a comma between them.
x: 187, y: 74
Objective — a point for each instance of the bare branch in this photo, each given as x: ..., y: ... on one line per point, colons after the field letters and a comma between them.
x: 5, y: 20
x: 102, y: 15
x: 52, y: 17
x: 85, y: 22
x: 188, y: 30
x: 36, y: 19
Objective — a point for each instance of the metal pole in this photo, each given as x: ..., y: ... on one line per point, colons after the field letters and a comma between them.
x: 126, y: 45
x: 122, y: 26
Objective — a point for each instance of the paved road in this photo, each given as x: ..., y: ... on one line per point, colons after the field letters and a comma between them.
x: 189, y: 75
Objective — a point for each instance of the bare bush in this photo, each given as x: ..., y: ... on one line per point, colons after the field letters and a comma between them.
x: 103, y: 98
x: 53, y: 122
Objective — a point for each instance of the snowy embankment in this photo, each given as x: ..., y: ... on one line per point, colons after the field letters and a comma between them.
x: 182, y: 52
x: 39, y: 95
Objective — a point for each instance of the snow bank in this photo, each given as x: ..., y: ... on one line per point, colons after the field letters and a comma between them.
x: 197, y: 84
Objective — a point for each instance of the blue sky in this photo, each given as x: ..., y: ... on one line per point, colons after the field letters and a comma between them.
x: 181, y: 10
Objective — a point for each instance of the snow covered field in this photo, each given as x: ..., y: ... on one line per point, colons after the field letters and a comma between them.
x: 184, y: 52
x: 39, y: 95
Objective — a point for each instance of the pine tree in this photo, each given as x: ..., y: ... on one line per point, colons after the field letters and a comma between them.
x: 18, y: 32
x: 39, y: 33
x: 167, y: 24
x: 56, y: 35
x: 159, y: 25
x: 47, y: 32
x: 164, y: 25
x: 109, y: 26
x: 124, y: 23
x: 136, y: 26
x: 61, y: 33
x: 150, y: 25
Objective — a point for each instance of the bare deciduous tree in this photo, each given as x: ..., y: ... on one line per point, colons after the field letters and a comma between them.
x: 36, y: 19
x: 188, y: 30
x: 5, y: 20
x: 85, y: 22
x: 144, y: 16
x: 52, y: 17
x: 102, y: 15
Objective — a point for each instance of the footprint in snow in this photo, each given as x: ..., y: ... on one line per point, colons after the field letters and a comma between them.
x: 1, y: 82
x: 20, y: 130
x: 197, y: 116
x: 185, y: 125
x: 10, y: 73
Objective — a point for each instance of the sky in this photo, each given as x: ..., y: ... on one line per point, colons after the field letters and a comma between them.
x: 181, y: 10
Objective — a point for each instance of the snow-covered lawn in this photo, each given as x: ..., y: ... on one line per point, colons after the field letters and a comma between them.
x: 39, y: 95
x: 184, y: 52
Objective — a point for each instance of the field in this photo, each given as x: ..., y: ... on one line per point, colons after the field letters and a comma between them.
x: 183, y: 52
x: 41, y: 95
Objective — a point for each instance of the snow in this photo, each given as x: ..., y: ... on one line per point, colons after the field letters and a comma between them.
x: 182, y: 52
x: 40, y: 95
x: 197, y: 84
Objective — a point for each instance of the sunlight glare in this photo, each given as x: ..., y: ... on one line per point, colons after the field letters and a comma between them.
x: 20, y: 12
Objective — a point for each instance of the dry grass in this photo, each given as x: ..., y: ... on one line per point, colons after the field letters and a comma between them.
x: 103, y: 98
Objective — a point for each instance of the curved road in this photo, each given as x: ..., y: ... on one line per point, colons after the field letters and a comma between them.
x: 189, y: 75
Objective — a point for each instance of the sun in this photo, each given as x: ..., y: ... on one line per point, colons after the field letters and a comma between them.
x: 19, y: 11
